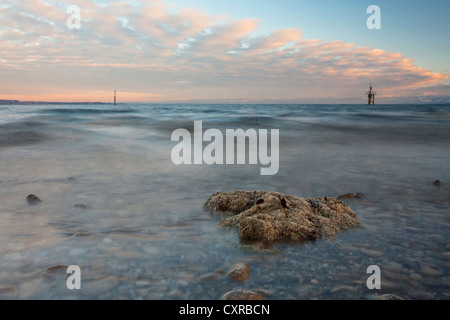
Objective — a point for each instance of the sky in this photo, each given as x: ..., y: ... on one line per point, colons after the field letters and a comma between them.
x: 217, y: 51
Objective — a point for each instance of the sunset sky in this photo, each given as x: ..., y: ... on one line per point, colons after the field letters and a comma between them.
x: 243, y: 51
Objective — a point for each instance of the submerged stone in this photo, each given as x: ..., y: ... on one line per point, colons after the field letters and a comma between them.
x: 242, y: 295
x: 346, y: 196
x: 52, y: 271
x: 275, y: 216
x: 239, y: 272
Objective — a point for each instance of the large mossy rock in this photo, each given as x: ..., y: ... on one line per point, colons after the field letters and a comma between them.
x: 260, y: 215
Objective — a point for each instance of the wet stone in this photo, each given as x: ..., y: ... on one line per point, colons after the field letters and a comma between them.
x: 242, y: 295
x: 346, y: 196
x: 276, y: 216
x: 239, y: 272
x: 55, y: 270
x: 33, y: 199
x: 80, y: 206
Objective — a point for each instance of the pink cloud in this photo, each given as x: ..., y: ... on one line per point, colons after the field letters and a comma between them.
x: 150, y: 49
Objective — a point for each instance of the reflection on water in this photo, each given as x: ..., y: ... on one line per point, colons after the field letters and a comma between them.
x: 142, y: 231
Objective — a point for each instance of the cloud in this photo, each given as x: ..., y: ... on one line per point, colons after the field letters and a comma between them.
x: 160, y: 52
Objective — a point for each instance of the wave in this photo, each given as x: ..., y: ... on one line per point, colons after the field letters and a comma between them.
x: 85, y: 111
x: 20, y: 138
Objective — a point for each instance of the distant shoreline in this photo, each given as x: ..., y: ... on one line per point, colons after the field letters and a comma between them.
x: 18, y: 102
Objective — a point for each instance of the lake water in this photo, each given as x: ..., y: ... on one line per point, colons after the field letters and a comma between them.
x: 143, y: 232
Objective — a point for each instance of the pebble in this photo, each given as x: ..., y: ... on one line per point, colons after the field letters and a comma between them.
x: 32, y: 199
x: 346, y: 196
x: 242, y: 295
x: 52, y: 271
x: 239, y: 272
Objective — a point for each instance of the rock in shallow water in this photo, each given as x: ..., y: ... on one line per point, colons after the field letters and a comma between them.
x: 52, y: 271
x: 32, y: 199
x: 241, y: 295
x: 239, y: 272
x: 346, y: 196
x: 274, y: 216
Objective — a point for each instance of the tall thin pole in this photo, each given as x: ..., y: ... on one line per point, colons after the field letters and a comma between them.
x: 114, y: 97
x: 371, y: 95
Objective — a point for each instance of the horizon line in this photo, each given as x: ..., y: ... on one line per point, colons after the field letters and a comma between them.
x: 38, y: 102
